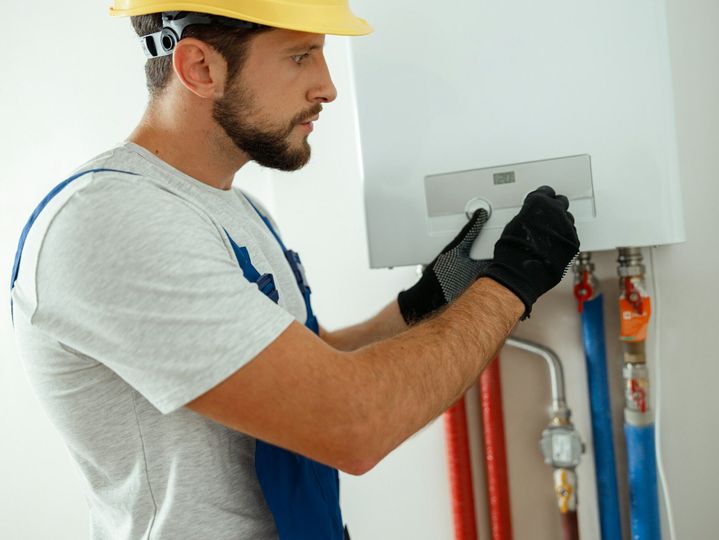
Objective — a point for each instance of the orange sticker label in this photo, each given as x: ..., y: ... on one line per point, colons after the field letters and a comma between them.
x: 634, y: 325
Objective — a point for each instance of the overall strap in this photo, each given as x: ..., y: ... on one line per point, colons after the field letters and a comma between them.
x: 36, y: 213
x: 302, y: 494
x: 265, y: 282
x: 298, y: 270
x: 268, y: 223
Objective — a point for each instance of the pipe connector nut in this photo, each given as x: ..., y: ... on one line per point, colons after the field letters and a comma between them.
x: 561, y: 446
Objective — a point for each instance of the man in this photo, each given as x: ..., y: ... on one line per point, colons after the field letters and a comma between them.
x: 169, y: 333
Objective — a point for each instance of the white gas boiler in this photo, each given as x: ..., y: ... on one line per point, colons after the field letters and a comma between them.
x: 474, y: 103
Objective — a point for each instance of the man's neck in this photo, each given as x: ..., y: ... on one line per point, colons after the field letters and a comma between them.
x: 189, y: 143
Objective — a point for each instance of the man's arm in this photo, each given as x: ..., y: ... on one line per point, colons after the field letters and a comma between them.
x: 386, y: 324
x: 349, y: 409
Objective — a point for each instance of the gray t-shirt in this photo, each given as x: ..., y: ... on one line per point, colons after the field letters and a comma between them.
x: 130, y: 303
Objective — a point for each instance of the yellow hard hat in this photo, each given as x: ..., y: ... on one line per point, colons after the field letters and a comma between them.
x: 314, y: 16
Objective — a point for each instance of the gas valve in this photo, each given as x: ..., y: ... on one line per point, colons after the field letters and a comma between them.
x: 561, y: 446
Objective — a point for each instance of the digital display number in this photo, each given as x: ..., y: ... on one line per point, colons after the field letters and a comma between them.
x: 504, y: 178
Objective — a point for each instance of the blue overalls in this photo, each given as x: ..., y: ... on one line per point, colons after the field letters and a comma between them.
x: 302, y: 495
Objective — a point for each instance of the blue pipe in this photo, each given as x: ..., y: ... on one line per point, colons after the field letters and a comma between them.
x: 642, y: 464
x: 604, y: 461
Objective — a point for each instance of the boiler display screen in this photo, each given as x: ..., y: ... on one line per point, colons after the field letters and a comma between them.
x: 504, y: 178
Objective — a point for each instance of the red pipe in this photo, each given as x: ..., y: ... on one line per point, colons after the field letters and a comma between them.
x: 460, y: 472
x: 500, y: 518
x: 570, y: 525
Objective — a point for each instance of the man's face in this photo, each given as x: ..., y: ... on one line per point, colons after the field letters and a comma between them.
x: 269, y: 107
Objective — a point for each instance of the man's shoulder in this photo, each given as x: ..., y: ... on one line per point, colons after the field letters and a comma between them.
x: 112, y: 204
x: 119, y: 185
x: 115, y: 162
x: 102, y: 214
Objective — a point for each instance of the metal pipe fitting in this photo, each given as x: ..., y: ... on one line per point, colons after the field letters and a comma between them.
x: 635, y: 352
x: 560, y: 444
x: 583, y: 262
x: 556, y: 374
x: 630, y: 261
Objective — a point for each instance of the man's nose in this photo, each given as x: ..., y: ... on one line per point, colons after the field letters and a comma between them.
x: 324, y: 90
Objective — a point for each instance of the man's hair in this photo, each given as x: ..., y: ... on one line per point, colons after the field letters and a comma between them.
x: 231, y: 43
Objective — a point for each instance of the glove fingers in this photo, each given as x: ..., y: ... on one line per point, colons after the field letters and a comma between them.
x: 544, y: 190
x: 470, y: 231
x: 565, y: 202
x: 473, y: 228
x: 533, y: 253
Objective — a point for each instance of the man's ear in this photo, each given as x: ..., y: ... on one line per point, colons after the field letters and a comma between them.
x: 200, y: 68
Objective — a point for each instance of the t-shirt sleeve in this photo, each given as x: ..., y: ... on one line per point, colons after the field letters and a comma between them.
x: 141, y: 281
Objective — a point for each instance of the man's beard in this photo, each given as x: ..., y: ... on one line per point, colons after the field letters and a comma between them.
x: 269, y: 147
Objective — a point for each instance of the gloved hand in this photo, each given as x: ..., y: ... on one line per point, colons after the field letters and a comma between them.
x: 536, y: 248
x: 447, y: 276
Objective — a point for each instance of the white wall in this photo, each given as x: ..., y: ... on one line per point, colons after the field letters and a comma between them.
x: 66, y: 97
x: 687, y: 276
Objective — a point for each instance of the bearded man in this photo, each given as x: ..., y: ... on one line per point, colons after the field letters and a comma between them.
x: 169, y: 332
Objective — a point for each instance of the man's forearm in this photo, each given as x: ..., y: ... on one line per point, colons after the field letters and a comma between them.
x: 349, y: 409
x: 418, y: 374
x: 386, y: 324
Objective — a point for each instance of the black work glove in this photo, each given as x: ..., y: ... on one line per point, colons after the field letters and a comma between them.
x: 447, y: 276
x: 536, y: 248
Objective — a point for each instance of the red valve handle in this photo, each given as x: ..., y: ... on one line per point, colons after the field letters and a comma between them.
x: 583, y: 291
x: 633, y: 296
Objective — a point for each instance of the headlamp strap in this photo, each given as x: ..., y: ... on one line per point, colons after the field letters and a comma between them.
x: 162, y: 43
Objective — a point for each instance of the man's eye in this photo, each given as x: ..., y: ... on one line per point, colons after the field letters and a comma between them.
x: 297, y: 59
